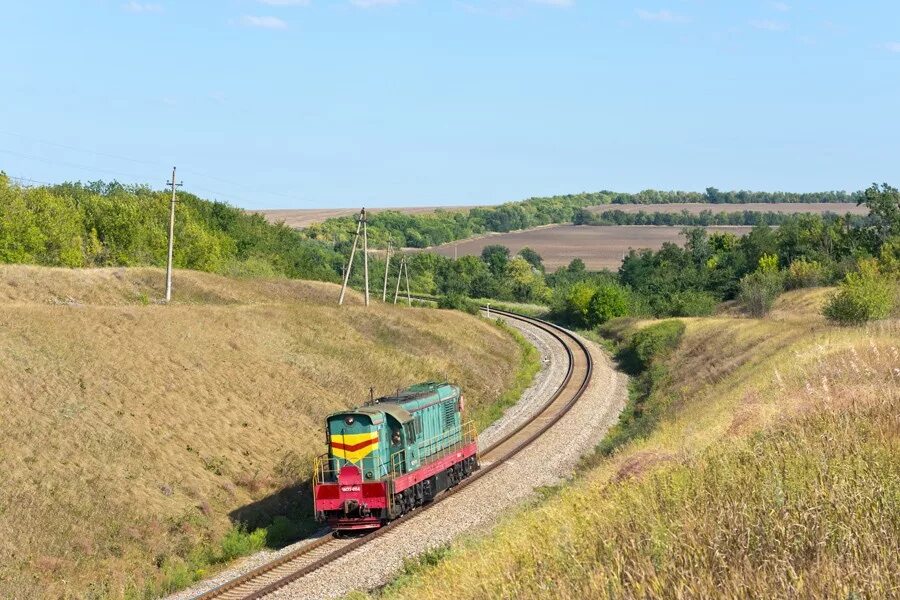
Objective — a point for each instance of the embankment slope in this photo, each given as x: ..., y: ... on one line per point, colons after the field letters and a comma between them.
x: 130, y: 430
x: 774, y: 472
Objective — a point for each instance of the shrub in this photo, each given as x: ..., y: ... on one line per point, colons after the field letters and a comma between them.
x: 656, y: 342
x: 758, y: 292
x: 804, y: 273
x: 690, y: 303
x: 648, y: 345
x: 458, y: 302
x: 642, y: 356
x: 863, y: 296
x: 283, y: 531
x: 768, y: 263
x: 608, y: 302
x: 252, y: 267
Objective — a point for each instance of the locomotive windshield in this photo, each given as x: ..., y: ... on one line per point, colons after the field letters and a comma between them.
x: 351, y: 438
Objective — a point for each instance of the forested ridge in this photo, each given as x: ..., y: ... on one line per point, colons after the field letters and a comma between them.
x: 704, y: 218
x: 441, y: 227
x: 108, y: 224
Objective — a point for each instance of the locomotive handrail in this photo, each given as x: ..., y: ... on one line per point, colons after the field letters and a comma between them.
x: 465, y: 431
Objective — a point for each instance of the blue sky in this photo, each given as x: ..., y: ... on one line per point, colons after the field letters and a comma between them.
x: 321, y: 103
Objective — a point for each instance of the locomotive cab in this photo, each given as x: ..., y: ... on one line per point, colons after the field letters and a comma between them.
x: 354, y: 438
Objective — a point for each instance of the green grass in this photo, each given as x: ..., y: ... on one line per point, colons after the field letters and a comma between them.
x: 538, y: 311
x: 773, y: 472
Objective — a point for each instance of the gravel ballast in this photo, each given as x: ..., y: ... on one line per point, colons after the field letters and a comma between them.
x: 477, y: 507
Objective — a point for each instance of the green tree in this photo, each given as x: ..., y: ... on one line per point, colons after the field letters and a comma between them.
x: 496, y: 257
x: 533, y: 258
x: 608, y: 302
x: 527, y: 283
x: 577, y: 303
x: 21, y: 238
x: 884, y: 211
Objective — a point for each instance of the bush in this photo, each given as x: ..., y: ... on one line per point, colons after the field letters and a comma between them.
x: 758, y: 292
x: 804, y: 273
x: 649, y: 345
x: 253, y: 267
x: 458, y: 302
x: 642, y: 356
x: 691, y: 303
x: 656, y: 342
x: 608, y: 302
x: 863, y: 296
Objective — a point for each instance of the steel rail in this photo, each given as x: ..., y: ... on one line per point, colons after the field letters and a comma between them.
x: 345, y: 548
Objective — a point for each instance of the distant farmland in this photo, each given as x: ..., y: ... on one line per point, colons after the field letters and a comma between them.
x: 298, y: 218
x: 598, y: 247
x: 696, y: 208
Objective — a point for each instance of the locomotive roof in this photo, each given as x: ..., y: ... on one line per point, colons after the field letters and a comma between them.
x: 391, y: 408
x: 401, y: 405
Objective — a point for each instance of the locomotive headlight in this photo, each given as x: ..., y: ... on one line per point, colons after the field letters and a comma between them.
x: 368, y: 474
x: 349, y: 420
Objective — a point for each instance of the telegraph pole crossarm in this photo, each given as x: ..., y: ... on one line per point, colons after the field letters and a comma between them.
x: 171, y: 235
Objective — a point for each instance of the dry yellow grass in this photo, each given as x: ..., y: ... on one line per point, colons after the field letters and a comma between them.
x: 128, y: 431
x: 775, y: 472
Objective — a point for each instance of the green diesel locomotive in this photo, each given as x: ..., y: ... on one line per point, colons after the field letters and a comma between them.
x: 391, y: 455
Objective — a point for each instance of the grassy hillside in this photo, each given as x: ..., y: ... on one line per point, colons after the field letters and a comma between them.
x: 774, y: 471
x: 131, y: 430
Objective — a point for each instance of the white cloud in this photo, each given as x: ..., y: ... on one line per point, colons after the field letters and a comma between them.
x: 142, y: 7
x: 663, y: 16
x: 374, y: 3
x: 780, y: 6
x: 892, y: 46
x: 262, y: 22
x: 559, y: 3
x: 769, y: 25
x: 285, y: 2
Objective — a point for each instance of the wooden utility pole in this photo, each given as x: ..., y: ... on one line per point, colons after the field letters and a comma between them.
x: 350, y: 262
x: 387, y: 267
x: 365, y: 252
x: 406, y: 271
x: 171, y: 236
x: 399, y: 274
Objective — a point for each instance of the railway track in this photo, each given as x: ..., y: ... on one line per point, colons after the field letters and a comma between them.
x: 276, y: 574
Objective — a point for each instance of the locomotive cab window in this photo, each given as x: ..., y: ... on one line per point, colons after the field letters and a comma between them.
x: 410, y: 432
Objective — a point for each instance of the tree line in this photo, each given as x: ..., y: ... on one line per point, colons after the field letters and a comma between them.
x: 443, y: 226
x: 862, y: 256
x: 704, y: 218
x: 108, y: 224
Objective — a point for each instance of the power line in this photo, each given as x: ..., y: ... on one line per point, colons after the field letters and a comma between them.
x: 28, y: 179
x: 139, y: 161
x: 96, y: 170
x: 76, y: 149
x: 68, y: 164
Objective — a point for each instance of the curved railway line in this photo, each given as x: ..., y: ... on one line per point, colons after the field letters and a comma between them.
x: 272, y: 576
